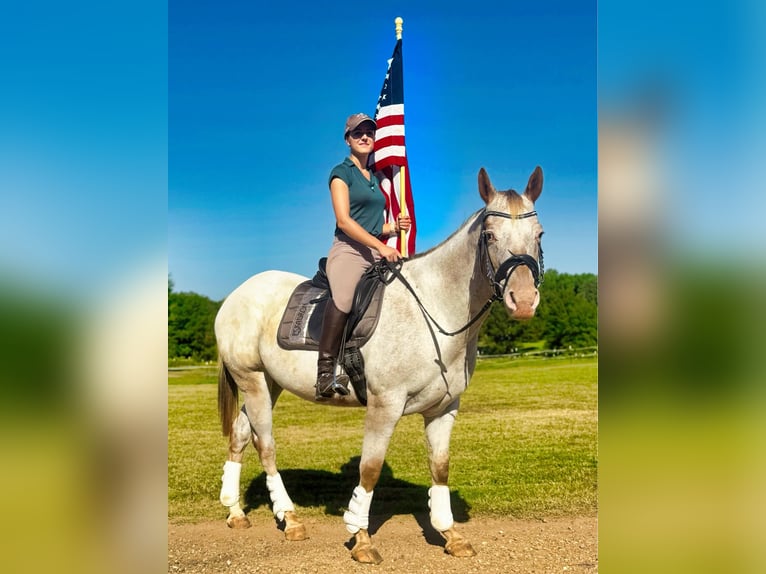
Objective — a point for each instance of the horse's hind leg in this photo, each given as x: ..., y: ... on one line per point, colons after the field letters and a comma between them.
x: 238, y: 438
x: 259, y: 402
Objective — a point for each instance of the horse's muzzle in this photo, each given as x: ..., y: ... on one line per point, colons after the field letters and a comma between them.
x: 521, y: 305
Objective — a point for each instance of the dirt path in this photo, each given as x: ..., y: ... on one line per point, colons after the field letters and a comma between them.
x: 503, y: 546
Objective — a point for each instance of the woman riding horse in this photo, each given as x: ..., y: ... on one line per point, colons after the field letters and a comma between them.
x: 360, y: 232
x: 496, y: 255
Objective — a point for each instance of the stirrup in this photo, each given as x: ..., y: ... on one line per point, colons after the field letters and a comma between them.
x: 338, y: 385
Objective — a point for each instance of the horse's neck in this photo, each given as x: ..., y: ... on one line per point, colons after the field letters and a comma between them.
x: 448, y: 279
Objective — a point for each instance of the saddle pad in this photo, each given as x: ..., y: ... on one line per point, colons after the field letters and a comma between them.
x: 301, y: 324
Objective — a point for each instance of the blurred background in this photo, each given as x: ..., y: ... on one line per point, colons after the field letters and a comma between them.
x: 682, y: 281
x: 83, y: 286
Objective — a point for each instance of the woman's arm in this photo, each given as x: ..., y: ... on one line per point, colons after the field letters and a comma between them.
x: 342, y: 208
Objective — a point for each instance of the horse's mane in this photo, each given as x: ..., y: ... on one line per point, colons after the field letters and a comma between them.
x: 471, y: 218
x: 515, y: 207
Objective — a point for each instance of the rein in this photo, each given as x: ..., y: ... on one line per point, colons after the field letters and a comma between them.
x: 495, y: 276
x: 394, y: 268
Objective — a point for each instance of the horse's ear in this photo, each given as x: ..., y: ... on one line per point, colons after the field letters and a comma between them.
x: 534, y: 185
x: 486, y: 190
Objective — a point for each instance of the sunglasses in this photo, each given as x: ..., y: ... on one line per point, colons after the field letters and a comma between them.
x: 357, y: 134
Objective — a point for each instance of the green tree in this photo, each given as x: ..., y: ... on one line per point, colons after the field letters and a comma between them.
x: 567, y: 316
x: 191, y: 319
x: 501, y: 335
x: 569, y: 308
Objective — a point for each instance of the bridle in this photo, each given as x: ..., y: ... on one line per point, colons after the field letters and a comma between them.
x: 503, y: 272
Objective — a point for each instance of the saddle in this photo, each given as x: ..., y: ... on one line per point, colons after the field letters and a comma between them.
x: 301, y: 323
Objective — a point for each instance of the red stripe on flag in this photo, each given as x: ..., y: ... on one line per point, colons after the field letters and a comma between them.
x: 385, y: 121
x: 389, y: 156
x: 382, y: 143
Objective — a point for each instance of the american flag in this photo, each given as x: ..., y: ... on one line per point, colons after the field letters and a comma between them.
x: 390, y: 156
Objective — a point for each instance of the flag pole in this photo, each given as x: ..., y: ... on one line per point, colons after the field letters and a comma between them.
x: 402, y: 179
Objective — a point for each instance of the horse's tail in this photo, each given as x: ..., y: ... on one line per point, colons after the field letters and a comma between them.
x: 227, y: 397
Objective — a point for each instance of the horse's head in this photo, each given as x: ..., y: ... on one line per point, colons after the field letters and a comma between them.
x: 510, y: 243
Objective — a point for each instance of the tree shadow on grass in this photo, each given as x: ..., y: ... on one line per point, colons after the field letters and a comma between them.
x: 332, y: 491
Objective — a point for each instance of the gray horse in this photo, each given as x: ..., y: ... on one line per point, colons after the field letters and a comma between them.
x: 495, y: 255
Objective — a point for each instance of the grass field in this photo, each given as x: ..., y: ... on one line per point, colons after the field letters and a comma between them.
x: 525, y: 444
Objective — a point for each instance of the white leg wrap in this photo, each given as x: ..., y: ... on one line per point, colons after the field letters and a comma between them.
x: 441, y: 511
x: 281, y: 502
x: 230, y: 479
x: 358, y: 514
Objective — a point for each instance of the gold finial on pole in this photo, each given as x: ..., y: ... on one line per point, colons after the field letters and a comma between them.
x: 398, y: 23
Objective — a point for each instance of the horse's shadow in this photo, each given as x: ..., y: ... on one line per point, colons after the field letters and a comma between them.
x: 332, y: 491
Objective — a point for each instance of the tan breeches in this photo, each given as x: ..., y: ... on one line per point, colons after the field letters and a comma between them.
x: 346, y: 263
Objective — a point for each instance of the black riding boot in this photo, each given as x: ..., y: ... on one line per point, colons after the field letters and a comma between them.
x: 333, y: 324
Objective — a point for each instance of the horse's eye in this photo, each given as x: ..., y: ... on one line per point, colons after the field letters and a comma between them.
x: 489, y: 235
x: 540, y: 235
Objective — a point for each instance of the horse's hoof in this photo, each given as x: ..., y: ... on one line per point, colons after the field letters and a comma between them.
x: 363, y: 551
x: 460, y: 548
x: 293, y: 528
x: 238, y: 522
x: 296, y: 533
x: 368, y: 555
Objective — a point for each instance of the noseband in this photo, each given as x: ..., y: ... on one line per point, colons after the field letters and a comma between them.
x: 499, y: 278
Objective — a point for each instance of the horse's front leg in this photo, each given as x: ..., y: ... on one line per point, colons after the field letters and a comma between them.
x: 438, y: 431
x: 379, y: 425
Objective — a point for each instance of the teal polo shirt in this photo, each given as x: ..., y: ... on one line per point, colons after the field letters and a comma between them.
x: 366, y: 201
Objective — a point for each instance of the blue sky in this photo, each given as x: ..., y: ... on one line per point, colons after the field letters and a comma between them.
x: 257, y: 97
x: 237, y: 112
x: 83, y: 143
